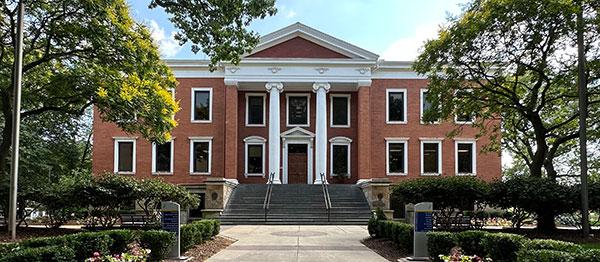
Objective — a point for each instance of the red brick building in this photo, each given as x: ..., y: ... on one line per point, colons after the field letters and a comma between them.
x: 303, y: 103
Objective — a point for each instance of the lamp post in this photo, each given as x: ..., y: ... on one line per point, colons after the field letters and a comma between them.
x: 16, y: 121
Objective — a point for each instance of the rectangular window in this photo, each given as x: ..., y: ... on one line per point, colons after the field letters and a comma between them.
x: 463, y: 117
x: 298, y: 110
x: 396, y: 106
x: 397, y: 157
x: 124, y: 156
x: 465, y: 158
x: 431, y: 157
x: 340, y: 157
x: 200, y: 153
x: 201, y: 105
x: 255, y: 159
x: 426, y: 105
x: 340, y: 111
x: 162, y: 157
x: 255, y: 110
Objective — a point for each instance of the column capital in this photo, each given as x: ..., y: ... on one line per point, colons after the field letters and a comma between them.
x: 276, y: 85
x: 319, y: 85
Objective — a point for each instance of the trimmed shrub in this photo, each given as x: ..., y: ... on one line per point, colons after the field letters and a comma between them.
x: 588, y: 255
x: 86, y: 243
x: 470, y: 242
x: 6, y: 248
x: 544, y: 256
x: 190, y: 236
x: 121, y: 238
x: 550, y: 244
x: 216, y: 226
x: 372, y: 226
x: 404, y: 234
x: 440, y: 243
x: 44, y: 242
x: 46, y: 254
x: 159, y: 242
x: 502, y: 246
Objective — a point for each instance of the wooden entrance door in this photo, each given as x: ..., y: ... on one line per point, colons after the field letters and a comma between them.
x: 297, y: 163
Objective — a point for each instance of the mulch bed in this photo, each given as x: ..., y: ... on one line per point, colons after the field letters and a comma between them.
x: 207, y: 249
x: 385, y: 248
x: 31, y: 232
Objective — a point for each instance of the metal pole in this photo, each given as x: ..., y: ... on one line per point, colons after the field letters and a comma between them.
x: 582, y: 87
x: 16, y: 121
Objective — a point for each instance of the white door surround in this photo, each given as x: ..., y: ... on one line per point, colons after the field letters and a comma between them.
x: 298, y: 135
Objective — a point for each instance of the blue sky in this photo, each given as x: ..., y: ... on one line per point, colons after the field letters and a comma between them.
x: 394, y: 29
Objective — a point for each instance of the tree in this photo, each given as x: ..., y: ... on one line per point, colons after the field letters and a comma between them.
x: 516, y: 60
x: 79, y: 53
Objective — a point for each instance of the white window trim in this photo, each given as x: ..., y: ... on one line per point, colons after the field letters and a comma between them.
x: 200, y: 139
x: 472, y: 116
x: 439, y: 142
x: 421, y: 109
x: 193, y: 105
x: 154, y: 172
x: 254, y: 140
x: 343, y: 141
x: 264, y: 110
x: 287, y: 109
x: 399, y: 140
x: 387, y: 105
x: 473, y: 156
x: 347, y: 96
x: 116, y: 155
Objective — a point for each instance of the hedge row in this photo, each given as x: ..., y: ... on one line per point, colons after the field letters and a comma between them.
x: 78, y: 247
x: 398, y: 232
x: 197, y: 232
x: 508, y: 247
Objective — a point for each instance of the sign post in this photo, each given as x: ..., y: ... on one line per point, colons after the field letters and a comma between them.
x: 170, y: 215
x: 423, y: 224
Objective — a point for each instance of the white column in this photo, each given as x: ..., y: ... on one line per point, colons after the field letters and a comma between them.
x: 274, y: 88
x: 321, y: 132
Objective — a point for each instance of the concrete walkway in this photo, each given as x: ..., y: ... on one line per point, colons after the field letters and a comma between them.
x: 296, y: 243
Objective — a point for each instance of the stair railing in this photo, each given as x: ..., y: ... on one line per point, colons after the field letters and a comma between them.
x: 326, y: 196
x: 267, y: 201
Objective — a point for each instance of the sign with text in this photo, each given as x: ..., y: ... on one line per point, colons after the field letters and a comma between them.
x: 423, y: 223
x: 170, y: 221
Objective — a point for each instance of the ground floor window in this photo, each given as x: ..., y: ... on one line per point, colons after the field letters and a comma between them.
x: 340, y: 156
x: 162, y: 157
x: 397, y: 156
x: 465, y: 157
x: 431, y: 157
x: 200, y: 155
x: 124, y: 152
x: 255, y: 156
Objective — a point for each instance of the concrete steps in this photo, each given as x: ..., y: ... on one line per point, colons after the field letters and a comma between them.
x: 296, y: 205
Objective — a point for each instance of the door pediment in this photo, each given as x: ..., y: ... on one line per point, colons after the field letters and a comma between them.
x: 297, y: 132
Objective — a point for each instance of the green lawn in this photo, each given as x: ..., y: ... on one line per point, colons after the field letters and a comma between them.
x: 591, y: 245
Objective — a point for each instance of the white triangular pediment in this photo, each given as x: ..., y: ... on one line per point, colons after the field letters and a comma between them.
x: 297, y: 132
x: 315, y: 36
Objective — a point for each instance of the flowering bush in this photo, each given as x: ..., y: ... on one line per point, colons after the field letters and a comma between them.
x: 457, y: 256
x: 135, y: 254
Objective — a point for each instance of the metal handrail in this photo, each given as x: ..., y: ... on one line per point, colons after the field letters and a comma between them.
x: 267, y: 201
x: 326, y: 196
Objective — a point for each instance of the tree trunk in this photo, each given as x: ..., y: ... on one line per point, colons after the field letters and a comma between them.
x: 545, y: 220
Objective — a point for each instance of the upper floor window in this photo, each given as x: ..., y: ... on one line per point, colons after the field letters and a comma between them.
x: 124, y: 155
x: 340, y: 110
x: 465, y: 158
x: 162, y: 158
x: 397, y: 156
x: 431, y: 157
x: 201, y: 105
x: 340, y: 156
x: 255, y: 109
x: 396, y: 106
x: 200, y: 155
x: 298, y: 110
x: 463, y: 117
x: 426, y: 105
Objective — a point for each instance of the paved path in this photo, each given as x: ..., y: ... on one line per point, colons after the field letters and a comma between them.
x: 296, y: 243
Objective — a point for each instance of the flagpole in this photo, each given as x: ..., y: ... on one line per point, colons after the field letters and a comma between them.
x: 16, y: 121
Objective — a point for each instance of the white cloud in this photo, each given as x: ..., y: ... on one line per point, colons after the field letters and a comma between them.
x: 291, y: 14
x: 408, y: 48
x: 167, y: 46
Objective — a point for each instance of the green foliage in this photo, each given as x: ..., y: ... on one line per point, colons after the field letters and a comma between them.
x: 158, y: 241
x: 86, y: 243
x: 217, y: 28
x: 445, y: 192
x: 121, y: 238
x: 6, y: 248
x: 197, y: 232
x: 372, y: 226
x: 471, y: 242
x: 550, y: 244
x: 398, y: 232
x: 440, y: 243
x: 39, y: 254
x: 588, y: 255
x: 544, y: 255
x: 153, y: 191
x: 502, y: 246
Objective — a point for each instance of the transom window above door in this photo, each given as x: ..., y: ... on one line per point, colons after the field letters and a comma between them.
x: 298, y: 109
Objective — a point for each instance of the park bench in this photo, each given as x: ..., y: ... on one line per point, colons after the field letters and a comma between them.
x: 454, y: 222
x: 135, y: 220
